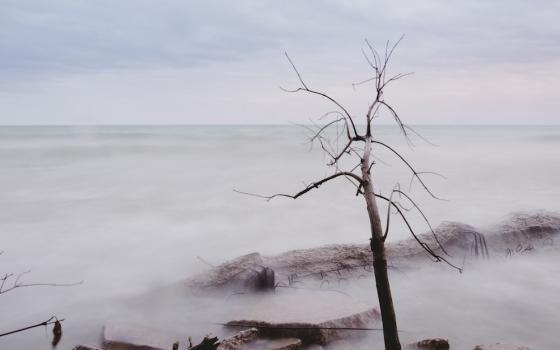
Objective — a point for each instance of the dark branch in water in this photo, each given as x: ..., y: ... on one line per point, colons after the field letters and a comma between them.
x: 52, y: 320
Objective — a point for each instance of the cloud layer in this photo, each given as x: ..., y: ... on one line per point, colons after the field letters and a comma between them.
x: 50, y: 49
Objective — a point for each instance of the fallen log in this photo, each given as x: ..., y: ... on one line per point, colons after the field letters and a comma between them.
x: 313, y: 333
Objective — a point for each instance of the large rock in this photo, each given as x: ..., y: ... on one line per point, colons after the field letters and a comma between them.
x: 500, y: 346
x: 429, y: 344
x: 258, y: 278
x: 523, y: 232
x: 244, y: 272
x: 330, y: 264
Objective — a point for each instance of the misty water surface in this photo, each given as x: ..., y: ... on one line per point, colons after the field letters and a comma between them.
x: 129, y: 209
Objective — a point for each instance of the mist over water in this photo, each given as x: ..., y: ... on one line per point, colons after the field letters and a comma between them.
x: 129, y: 209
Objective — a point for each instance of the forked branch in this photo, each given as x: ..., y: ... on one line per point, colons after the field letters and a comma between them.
x: 322, y: 94
x: 423, y: 244
x: 10, y: 282
x: 415, y: 173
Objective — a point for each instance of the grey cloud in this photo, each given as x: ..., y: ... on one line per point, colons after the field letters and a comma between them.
x: 107, y: 34
x: 73, y: 35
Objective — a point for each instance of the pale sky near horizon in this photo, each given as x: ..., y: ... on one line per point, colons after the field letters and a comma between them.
x: 222, y: 62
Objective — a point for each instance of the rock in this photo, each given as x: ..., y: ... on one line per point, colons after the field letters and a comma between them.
x: 258, y: 278
x: 121, y: 337
x: 499, y: 346
x: 239, y: 340
x: 330, y: 264
x: 523, y: 232
x: 312, y: 333
x: 84, y: 347
x: 233, y: 273
x: 208, y: 343
x: 284, y: 344
x: 429, y: 344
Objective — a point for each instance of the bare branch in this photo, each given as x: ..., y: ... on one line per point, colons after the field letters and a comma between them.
x: 414, y: 172
x: 326, y: 126
x: 389, y: 211
x: 420, y: 136
x: 396, y: 116
x: 314, y: 185
x: 341, y: 153
x: 17, y: 284
x: 306, y: 89
x: 295, y: 69
x: 363, y: 82
x: 421, y: 173
x: 51, y: 320
x: 395, y: 78
x: 371, y: 64
x: 425, y: 246
x: 347, y: 128
x: 425, y: 219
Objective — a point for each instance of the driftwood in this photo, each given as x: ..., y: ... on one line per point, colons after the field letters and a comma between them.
x: 313, y: 333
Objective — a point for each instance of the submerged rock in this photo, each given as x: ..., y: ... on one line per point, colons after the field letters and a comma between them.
x: 429, y: 344
x: 121, y: 337
x: 258, y: 278
x: 246, y: 272
x: 499, y: 346
x: 523, y: 232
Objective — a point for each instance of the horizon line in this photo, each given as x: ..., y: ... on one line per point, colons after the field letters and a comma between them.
x: 254, y: 125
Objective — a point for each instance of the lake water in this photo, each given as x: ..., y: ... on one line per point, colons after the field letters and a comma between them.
x: 128, y: 209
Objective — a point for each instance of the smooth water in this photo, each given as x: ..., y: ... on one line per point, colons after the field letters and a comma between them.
x: 130, y: 209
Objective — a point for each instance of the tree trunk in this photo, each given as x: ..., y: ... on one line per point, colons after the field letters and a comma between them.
x: 388, y: 318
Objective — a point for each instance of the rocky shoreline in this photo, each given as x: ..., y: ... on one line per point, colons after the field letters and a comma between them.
x: 519, y: 234
x: 264, y: 327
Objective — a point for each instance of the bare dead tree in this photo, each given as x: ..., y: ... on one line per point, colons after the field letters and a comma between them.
x: 356, y: 142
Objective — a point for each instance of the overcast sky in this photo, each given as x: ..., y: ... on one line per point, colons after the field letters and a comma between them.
x: 222, y: 62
